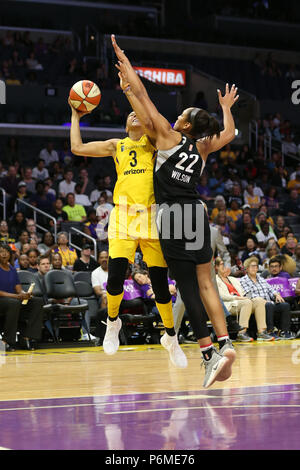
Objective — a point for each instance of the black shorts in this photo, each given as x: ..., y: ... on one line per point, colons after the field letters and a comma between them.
x: 184, y: 232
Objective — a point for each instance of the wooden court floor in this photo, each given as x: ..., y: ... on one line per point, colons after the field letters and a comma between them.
x: 88, y: 372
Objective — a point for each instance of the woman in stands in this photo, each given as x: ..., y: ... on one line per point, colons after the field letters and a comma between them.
x: 181, y: 156
x: 11, y: 297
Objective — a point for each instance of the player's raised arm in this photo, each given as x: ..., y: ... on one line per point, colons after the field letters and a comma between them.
x: 106, y: 148
x: 159, y: 124
x: 228, y: 134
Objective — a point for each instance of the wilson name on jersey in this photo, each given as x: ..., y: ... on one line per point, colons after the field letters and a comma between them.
x: 134, y: 161
x: 177, y: 172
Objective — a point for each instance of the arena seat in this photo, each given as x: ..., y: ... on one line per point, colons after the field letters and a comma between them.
x: 60, y: 285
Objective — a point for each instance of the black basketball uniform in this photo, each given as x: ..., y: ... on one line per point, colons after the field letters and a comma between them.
x: 176, y: 174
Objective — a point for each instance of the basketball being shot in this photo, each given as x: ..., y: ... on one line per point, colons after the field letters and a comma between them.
x: 149, y: 228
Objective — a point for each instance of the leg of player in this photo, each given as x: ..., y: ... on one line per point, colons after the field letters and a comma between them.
x: 213, y: 307
x: 116, y: 275
x: 159, y: 281
x: 185, y: 275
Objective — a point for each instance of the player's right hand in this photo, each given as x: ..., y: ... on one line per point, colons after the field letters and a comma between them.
x: 77, y: 113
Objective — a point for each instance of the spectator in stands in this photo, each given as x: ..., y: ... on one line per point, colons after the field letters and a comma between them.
x: 11, y: 152
x: 48, y: 187
x: 279, y: 177
x: 90, y: 227
x: 23, y: 262
x: 251, y: 250
x: 42, y: 200
x: 57, y: 172
x: 216, y: 183
x: 244, y: 154
x: 289, y: 146
x: 250, y: 171
x: 295, y: 183
x: 11, y: 297
x: 275, y: 269
x: 279, y: 226
x: 221, y: 222
x: 290, y: 247
x: 227, y: 155
x: 203, y: 188
x: 23, y: 195
x: 265, y: 234
x: 263, y: 216
x: 47, y: 244
x: 23, y: 238
x: 103, y: 208
x: 33, y: 255
x: 86, y: 262
x: 44, y: 267
x: 58, y: 213
x: 17, y: 225
x: 220, y: 205
x: 48, y: 154
x: 39, y: 172
x: 293, y: 175
x: 272, y: 250
x: 237, y: 303
x: 10, y: 182
x: 32, y: 63
x: 30, y: 182
x: 241, y: 238
x: 67, y: 253
x: 296, y: 257
x: 67, y: 185
x: 75, y: 212
x: 255, y: 286
x: 86, y: 184
x: 96, y: 193
x: 250, y: 198
x: 5, y: 236
x: 234, y: 213
x: 236, y: 194
x: 80, y: 198
x: 287, y: 234
x: 99, y: 277
x: 56, y: 261
x: 65, y: 155
x: 271, y: 198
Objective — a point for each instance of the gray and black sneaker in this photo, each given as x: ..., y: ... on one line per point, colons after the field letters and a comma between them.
x: 227, y: 351
x: 214, y: 367
x: 244, y: 337
x: 287, y: 335
x: 263, y: 336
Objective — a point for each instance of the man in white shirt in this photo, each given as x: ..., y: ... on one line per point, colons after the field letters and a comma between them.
x: 40, y: 172
x: 67, y: 185
x: 96, y: 193
x: 81, y: 199
x: 48, y: 154
x: 99, y: 277
x: 264, y: 235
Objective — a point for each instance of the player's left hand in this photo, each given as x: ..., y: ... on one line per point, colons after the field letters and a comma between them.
x: 229, y: 98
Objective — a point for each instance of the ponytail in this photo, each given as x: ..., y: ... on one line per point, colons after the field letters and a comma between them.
x: 203, y: 124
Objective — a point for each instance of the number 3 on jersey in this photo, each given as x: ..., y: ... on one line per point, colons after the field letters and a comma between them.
x: 184, y: 157
x: 134, y: 160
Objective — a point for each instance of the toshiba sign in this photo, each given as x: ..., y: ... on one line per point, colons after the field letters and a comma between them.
x: 165, y: 76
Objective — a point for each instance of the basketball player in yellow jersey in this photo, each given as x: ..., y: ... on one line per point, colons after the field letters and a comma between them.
x: 131, y: 224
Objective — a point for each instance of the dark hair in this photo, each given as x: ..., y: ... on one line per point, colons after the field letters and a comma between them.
x: 35, y: 250
x: 203, y: 124
x: 6, y: 247
x: 41, y: 257
x: 275, y: 259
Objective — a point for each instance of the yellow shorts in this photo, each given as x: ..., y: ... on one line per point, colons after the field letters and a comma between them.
x: 129, y: 228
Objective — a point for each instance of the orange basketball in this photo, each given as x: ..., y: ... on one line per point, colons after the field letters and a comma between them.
x: 85, y: 95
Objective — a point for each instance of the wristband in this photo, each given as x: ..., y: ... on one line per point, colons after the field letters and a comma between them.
x: 126, y: 89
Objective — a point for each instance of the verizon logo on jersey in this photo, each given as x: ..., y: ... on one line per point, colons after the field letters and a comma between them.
x: 165, y: 76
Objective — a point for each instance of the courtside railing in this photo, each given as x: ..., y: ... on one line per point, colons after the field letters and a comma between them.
x: 3, y: 203
x: 38, y: 211
x: 79, y: 232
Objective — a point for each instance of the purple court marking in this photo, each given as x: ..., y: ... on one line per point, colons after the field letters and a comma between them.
x: 264, y: 417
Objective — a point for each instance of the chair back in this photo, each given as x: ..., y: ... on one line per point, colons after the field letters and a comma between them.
x: 59, y: 284
x: 26, y: 278
x: 85, y: 276
x: 84, y: 289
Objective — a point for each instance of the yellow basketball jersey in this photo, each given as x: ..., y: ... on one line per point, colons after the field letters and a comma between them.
x: 134, y: 162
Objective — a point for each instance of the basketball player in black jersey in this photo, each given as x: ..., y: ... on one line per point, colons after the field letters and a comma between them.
x: 182, y: 153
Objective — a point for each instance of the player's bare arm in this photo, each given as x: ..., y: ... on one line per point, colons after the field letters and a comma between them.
x: 207, y: 146
x: 106, y: 148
